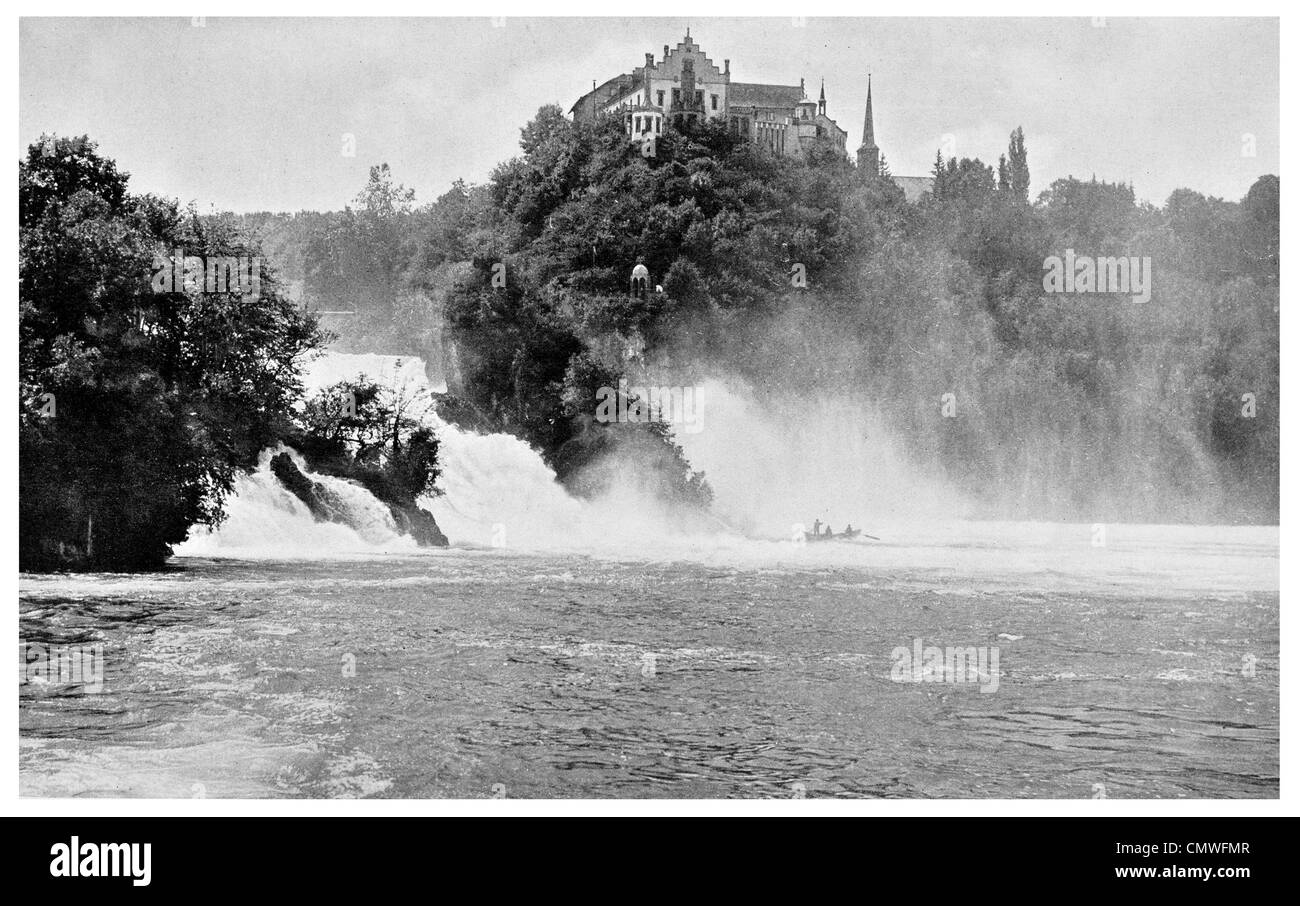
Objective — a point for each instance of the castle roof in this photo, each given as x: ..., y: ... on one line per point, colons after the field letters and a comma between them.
x: 753, y: 94
x: 611, y: 89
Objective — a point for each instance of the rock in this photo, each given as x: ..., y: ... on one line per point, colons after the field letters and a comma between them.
x: 419, y: 524
x: 325, y: 505
x: 322, y: 504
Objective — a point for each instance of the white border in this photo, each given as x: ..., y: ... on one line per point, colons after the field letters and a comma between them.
x: 1286, y: 805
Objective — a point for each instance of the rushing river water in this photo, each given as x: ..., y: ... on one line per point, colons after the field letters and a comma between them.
x: 567, y: 648
x: 1145, y: 669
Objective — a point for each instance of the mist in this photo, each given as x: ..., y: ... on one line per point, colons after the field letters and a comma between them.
x: 776, y: 461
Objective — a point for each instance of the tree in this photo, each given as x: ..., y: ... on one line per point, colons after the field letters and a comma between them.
x: 359, y: 261
x: 362, y: 430
x: 1018, y: 166
x: 140, y: 395
x: 936, y: 173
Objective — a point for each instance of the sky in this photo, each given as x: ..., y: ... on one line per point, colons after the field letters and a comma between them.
x: 252, y: 114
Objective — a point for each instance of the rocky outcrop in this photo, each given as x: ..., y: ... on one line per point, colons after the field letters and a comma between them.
x: 326, y: 507
x: 419, y: 524
x: 311, y: 493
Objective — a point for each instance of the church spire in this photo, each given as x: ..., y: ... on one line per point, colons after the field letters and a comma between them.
x: 868, y: 128
x: 821, y: 101
x: 868, y: 152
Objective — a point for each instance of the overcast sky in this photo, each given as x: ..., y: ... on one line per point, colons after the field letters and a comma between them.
x: 250, y: 114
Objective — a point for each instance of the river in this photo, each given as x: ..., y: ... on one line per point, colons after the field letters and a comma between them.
x: 575, y: 649
x: 487, y: 672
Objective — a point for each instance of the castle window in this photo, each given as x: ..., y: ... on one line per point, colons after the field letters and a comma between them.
x: 637, y: 127
x: 677, y: 97
x: 699, y: 100
x: 714, y: 98
x: 661, y: 98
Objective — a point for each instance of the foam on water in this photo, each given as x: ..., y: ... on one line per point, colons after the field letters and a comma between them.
x: 265, y: 520
x: 497, y: 490
x: 498, y: 493
x: 775, y: 461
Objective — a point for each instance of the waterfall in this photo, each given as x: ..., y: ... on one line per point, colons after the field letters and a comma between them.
x: 264, y: 519
x: 496, y: 492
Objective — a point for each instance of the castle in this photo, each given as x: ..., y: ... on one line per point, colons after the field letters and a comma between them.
x: 687, y: 88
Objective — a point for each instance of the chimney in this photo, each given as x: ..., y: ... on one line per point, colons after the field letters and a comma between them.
x: 726, y: 67
x: 649, y: 61
x: 665, y: 51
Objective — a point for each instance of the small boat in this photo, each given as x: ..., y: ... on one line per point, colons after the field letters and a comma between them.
x: 846, y: 535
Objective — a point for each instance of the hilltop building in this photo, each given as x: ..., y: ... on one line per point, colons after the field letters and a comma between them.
x: 687, y: 88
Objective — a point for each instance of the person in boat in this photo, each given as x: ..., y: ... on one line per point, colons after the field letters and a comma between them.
x: 817, y: 526
x: 848, y: 529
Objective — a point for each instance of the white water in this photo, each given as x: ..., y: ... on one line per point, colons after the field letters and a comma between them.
x: 265, y: 520
x: 498, y: 493
x: 776, y: 461
x: 1122, y: 651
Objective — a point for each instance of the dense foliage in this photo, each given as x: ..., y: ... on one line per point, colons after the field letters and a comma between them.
x: 136, y: 407
x: 809, y: 277
x: 804, y: 277
x: 373, y: 435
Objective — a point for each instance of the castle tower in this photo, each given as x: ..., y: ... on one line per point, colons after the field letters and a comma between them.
x: 688, y: 82
x: 869, y: 152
